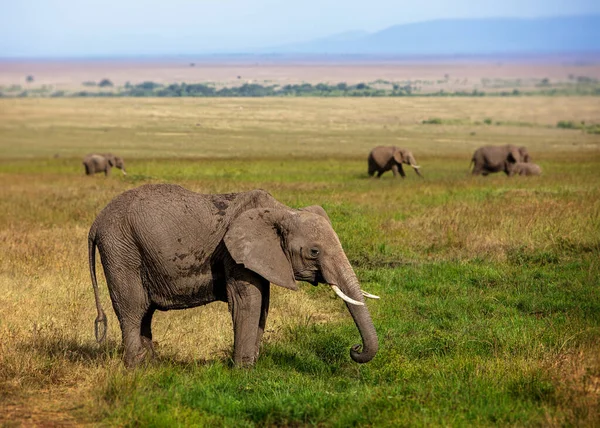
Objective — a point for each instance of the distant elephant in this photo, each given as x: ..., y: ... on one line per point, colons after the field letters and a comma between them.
x: 522, y: 168
x: 488, y: 159
x: 385, y: 158
x: 95, y: 163
x: 164, y: 247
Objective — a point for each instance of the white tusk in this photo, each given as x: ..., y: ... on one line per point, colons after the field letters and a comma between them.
x: 344, y: 297
x: 124, y: 173
x: 416, y: 166
x: 369, y: 295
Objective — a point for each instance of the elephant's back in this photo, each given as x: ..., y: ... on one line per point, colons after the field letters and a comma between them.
x: 381, y: 154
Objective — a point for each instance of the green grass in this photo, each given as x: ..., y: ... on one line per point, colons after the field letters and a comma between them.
x: 461, y: 345
x: 490, y: 286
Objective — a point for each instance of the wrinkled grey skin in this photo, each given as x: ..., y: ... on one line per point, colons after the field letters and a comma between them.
x: 386, y: 158
x: 95, y: 163
x: 488, y: 159
x: 164, y: 247
x: 522, y: 168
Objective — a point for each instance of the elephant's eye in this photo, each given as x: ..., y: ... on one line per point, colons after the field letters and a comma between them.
x: 314, y: 252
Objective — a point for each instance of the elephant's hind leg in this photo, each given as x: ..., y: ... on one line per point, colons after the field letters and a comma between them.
x: 132, y: 306
x: 146, y: 330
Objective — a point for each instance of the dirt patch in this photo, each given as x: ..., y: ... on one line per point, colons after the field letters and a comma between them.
x: 460, y: 74
x: 49, y: 408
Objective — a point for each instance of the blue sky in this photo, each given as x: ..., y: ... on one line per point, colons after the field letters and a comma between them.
x: 63, y: 28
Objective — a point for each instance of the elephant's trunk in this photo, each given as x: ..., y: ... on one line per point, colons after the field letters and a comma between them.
x: 346, y: 280
x: 413, y: 164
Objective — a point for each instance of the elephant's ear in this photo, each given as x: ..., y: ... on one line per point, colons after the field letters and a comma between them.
x: 398, y: 156
x: 254, y: 240
x: 111, y: 161
x: 317, y: 209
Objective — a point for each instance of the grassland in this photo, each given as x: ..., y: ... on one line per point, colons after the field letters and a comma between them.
x: 490, y: 287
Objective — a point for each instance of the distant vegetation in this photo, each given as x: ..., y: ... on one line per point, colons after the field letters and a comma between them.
x: 576, y: 85
x: 562, y: 124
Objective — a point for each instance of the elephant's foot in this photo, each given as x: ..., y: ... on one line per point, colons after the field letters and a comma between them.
x: 245, y: 362
x: 132, y: 360
x: 150, y: 346
x: 142, y: 354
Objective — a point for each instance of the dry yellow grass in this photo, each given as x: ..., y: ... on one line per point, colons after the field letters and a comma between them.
x: 237, y: 128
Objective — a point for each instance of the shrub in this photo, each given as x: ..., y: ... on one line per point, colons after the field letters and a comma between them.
x: 568, y: 124
x: 433, y: 121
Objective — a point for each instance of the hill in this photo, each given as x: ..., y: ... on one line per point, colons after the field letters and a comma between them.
x: 464, y: 36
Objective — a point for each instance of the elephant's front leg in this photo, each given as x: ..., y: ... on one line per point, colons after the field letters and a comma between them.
x: 248, y: 299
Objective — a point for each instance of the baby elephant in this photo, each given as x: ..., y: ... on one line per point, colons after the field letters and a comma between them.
x: 164, y: 247
x: 95, y: 163
x: 386, y: 158
x: 522, y: 168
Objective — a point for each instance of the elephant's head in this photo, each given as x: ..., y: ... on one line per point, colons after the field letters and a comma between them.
x: 119, y: 163
x: 403, y: 156
x: 284, y: 245
x: 524, y: 154
x: 115, y: 161
x: 513, y: 155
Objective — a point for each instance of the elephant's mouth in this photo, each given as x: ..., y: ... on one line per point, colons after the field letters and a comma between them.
x: 318, y: 279
x: 312, y: 277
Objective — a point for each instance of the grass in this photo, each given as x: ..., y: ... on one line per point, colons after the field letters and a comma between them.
x: 490, y: 304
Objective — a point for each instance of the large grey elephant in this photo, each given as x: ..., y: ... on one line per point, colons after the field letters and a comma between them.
x: 385, y: 158
x: 488, y: 159
x: 95, y: 163
x: 522, y: 168
x: 164, y: 247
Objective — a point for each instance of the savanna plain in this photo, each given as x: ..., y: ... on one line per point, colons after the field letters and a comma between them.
x: 490, y: 286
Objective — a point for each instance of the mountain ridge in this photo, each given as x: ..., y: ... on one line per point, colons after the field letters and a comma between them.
x: 576, y: 33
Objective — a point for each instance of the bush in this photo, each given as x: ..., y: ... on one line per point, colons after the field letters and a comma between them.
x: 568, y: 124
x: 432, y: 121
x: 148, y: 85
x: 105, y: 83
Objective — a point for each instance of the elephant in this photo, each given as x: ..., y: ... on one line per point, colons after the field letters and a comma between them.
x: 522, y: 168
x: 164, y: 247
x: 95, y: 163
x: 488, y: 159
x: 385, y: 158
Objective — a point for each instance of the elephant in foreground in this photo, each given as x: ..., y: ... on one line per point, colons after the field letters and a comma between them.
x: 95, y: 163
x: 385, y: 158
x: 488, y: 159
x: 522, y: 168
x: 163, y: 247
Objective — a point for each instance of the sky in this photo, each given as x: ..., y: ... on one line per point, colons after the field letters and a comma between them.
x: 76, y: 28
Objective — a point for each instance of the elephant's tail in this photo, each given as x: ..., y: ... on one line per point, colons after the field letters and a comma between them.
x: 100, y: 323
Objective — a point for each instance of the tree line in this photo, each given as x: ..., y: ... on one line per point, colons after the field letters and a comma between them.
x: 153, y: 89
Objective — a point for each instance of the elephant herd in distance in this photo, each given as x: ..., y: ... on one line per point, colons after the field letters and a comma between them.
x: 509, y: 159
x: 163, y: 247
